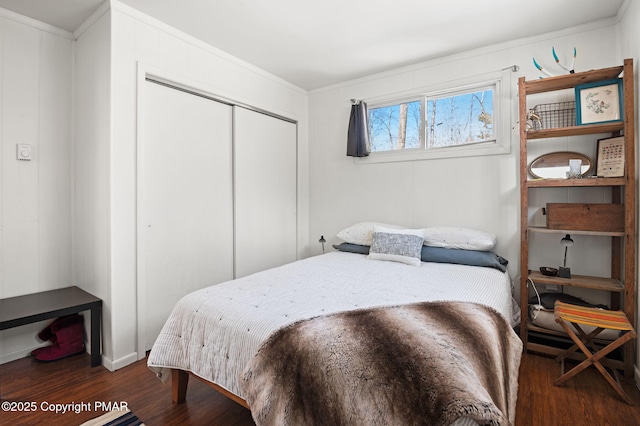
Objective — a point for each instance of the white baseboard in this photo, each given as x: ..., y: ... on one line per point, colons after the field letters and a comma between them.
x: 18, y: 354
x: 106, y: 361
x: 113, y: 365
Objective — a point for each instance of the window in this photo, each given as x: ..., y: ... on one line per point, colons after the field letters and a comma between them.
x: 396, y: 126
x: 460, y: 119
x: 449, y: 122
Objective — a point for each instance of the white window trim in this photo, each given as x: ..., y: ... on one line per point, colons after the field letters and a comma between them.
x: 501, y: 112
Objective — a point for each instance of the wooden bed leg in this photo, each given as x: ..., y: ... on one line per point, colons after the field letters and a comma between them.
x: 179, y: 382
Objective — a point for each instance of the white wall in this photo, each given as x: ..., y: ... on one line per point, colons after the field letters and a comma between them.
x: 91, y: 159
x: 477, y: 192
x: 35, y: 196
x: 139, y: 42
x: 68, y: 216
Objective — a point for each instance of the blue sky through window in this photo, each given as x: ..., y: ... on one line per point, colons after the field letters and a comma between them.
x: 460, y: 119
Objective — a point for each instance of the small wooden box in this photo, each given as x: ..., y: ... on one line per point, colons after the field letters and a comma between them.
x: 586, y: 217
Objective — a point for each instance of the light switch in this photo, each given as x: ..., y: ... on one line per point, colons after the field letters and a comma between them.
x: 23, y: 151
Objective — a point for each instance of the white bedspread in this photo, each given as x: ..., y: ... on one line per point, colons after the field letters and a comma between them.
x: 214, y: 332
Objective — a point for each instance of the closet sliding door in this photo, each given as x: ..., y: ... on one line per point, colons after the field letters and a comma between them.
x: 265, y: 172
x: 185, y: 201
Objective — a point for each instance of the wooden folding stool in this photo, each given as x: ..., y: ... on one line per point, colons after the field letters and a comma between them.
x: 601, y: 319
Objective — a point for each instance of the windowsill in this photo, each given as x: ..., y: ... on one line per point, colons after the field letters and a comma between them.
x: 480, y: 149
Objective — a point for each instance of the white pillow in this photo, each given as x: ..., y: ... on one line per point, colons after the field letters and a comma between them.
x: 397, y: 245
x: 361, y: 233
x: 459, y: 238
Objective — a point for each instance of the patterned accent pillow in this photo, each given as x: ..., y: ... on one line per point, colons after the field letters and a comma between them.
x: 397, y: 245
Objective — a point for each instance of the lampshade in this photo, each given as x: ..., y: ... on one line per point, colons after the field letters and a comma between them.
x: 566, y: 241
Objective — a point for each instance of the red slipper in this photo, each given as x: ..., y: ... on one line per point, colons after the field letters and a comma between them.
x: 69, y: 340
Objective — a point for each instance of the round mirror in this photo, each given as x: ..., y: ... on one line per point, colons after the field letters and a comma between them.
x: 555, y: 165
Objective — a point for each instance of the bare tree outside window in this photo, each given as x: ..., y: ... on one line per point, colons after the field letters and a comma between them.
x: 395, y: 127
x: 460, y: 120
x: 402, y: 126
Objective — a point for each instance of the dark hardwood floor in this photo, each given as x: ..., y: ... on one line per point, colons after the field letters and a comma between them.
x: 585, y: 400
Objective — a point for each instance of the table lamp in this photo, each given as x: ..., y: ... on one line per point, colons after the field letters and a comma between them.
x: 563, y: 271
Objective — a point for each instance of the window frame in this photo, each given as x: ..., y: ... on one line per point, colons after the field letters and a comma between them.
x: 501, y: 120
x: 448, y: 94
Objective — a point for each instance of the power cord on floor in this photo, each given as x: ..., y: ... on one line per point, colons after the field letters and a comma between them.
x: 537, y: 308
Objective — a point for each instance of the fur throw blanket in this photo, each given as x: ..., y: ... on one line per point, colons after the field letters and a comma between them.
x: 426, y: 363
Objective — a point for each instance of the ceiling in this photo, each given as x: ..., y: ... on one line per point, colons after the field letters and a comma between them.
x: 317, y: 43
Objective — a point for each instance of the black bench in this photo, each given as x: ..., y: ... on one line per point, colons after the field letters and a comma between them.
x: 30, y: 308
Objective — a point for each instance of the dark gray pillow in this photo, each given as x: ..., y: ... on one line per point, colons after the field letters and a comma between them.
x: 443, y: 255
x: 464, y: 257
x: 352, y: 248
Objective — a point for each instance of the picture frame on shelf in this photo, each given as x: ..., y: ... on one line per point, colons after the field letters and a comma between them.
x: 599, y: 102
x: 610, y: 157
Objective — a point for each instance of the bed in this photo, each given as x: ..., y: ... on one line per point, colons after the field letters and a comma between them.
x: 274, y: 338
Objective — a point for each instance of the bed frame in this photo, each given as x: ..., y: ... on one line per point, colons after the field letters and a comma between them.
x: 180, y: 380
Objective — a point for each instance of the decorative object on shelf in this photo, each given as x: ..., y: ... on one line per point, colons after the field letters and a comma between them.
x: 610, y: 157
x: 574, y: 169
x: 534, y: 121
x: 322, y: 241
x: 549, y: 272
x: 555, y: 165
x: 569, y: 69
x: 563, y: 271
x: 599, y: 102
x: 554, y: 115
x: 596, y: 217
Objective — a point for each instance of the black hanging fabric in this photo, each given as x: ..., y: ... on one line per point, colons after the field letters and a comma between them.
x: 358, y: 134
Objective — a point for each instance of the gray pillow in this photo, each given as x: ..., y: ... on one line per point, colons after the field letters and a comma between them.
x: 352, y: 248
x: 443, y: 255
x: 464, y: 257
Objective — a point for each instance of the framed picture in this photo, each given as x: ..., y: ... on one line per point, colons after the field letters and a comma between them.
x: 599, y: 102
x: 610, y: 157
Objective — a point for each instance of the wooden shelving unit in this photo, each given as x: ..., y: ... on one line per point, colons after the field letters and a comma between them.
x: 575, y: 232
x: 585, y: 281
x: 622, y: 284
x: 548, y: 183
